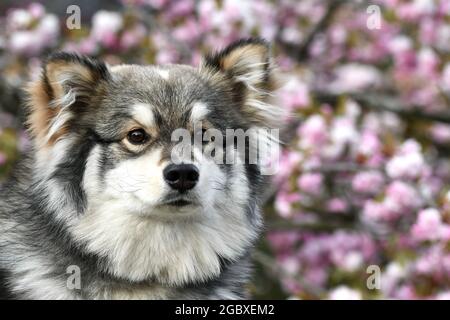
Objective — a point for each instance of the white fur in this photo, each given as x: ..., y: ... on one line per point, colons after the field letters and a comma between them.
x: 264, y: 109
x: 255, y: 71
x: 163, y: 73
x: 47, y: 160
x: 90, y: 182
x: 139, y: 181
x: 143, y: 113
x: 38, y: 282
x: 58, y: 123
x: 63, y: 103
x: 199, y: 112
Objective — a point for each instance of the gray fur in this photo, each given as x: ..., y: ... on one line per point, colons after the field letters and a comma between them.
x: 44, y: 205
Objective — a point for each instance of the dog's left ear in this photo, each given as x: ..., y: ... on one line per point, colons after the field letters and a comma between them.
x: 246, y: 67
x: 67, y: 86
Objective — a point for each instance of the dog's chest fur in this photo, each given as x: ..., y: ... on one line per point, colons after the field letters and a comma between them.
x: 40, y: 278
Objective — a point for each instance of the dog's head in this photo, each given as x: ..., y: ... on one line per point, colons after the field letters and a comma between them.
x: 106, y: 148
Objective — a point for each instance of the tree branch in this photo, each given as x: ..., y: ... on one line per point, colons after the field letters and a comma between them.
x: 338, y: 167
x: 301, y: 52
x: 270, y: 264
x: 150, y: 19
x: 380, y: 102
x: 323, y: 225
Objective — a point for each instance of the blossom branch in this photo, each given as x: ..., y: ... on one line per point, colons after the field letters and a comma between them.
x: 340, y: 167
x: 313, y: 226
x: 301, y: 52
x: 270, y: 264
x: 386, y: 103
x: 327, y: 169
x: 150, y: 19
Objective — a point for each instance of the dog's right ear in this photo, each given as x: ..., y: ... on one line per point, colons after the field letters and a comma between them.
x: 66, y: 86
x: 245, y: 69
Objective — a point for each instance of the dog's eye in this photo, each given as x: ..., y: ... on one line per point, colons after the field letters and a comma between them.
x: 138, y: 136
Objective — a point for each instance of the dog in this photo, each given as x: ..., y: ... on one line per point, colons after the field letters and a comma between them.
x: 100, y: 209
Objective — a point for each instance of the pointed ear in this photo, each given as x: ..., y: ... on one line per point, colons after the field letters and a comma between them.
x: 246, y: 67
x: 67, y: 85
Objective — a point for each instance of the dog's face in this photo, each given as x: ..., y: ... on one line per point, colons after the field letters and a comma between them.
x: 136, y: 163
x: 105, y: 144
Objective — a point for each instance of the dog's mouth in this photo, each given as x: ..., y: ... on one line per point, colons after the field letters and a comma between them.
x: 178, y: 202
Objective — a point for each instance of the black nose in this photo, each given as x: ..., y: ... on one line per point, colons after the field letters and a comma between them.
x: 181, y: 177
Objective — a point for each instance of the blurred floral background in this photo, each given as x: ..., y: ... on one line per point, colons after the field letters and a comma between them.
x: 364, y: 185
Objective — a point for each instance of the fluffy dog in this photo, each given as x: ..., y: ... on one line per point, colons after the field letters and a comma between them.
x: 99, y: 208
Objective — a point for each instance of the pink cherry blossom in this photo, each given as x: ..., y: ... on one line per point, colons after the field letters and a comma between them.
x: 105, y: 26
x: 445, y: 295
x: 446, y: 77
x: 355, y: 77
x: 310, y: 183
x: 36, y: 10
x: 344, y: 293
x: 368, y: 182
x: 428, y: 226
x: 401, y: 197
x: 284, y: 203
x: 377, y: 211
x: 441, y: 133
x: 337, y: 205
x: 19, y: 18
x: 294, y: 94
x: 394, y: 273
x: 408, y: 163
x: 428, y: 62
x: 132, y: 37
x: 313, y: 133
